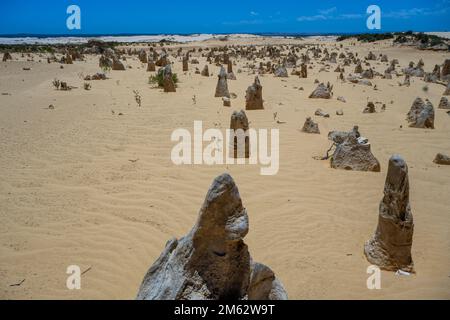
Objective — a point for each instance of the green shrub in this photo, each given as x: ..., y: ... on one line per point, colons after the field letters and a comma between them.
x: 367, y: 37
x: 158, y: 79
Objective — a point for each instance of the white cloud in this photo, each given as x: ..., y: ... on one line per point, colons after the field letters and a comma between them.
x: 351, y: 16
x: 332, y: 13
x: 329, y: 14
x: 253, y: 13
x: 312, y: 18
x: 327, y: 11
x: 414, y: 12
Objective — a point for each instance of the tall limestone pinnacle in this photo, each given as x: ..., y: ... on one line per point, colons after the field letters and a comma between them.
x: 212, y: 261
x: 390, y: 247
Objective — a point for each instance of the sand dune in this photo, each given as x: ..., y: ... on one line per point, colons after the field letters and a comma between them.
x: 71, y: 195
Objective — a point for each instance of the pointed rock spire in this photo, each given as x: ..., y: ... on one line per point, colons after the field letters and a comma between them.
x: 222, y: 85
x: 390, y: 247
x: 253, y: 96
x: 212, y: 261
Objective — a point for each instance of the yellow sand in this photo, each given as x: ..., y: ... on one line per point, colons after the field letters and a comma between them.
x: 69, y: 193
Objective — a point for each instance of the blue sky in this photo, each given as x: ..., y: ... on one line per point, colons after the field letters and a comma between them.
x: 220, y: 16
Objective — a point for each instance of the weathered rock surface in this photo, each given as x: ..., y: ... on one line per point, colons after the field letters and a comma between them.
x: 421, y: 115
x: 310, y: 126
x: 6, y: 56
x: 212, y: 261
x: 367, y: 74
x: 415, y: 72
x: 97, y: 76
x: 230, y: 73
x: 205, y: 71
x: 151, y: 66
x: 442, y: 159
x: 253, y: 96
x: 169, y: 85
x: 390, y: 247
x: 447, y: 91
x: 352, y: 152
x: 339, y: 136
x: 319, y: 112
x: 142, y: 56
x: 162, y: 61
x: 281, y: 72
x: 226, y: 102
x: 240, y: 141
x: 321, y: 92
x: 117, y: 64
x: 371, y: 56
x: 303, y: 71
x: 443, y: 104
x: 185, y: 63
x: 341, y: 99
x: 222, y: 85
x: 445, y: 73
x: 370, y: 108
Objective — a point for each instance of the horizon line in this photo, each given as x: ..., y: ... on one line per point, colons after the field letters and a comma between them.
x: 198, y: 33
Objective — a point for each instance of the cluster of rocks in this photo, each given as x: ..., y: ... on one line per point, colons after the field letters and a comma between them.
x: 97, y: 76
x: 358, y: 80
x: 415, y: 71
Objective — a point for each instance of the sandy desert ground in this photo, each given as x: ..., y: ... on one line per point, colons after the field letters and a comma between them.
x: 69, y: 193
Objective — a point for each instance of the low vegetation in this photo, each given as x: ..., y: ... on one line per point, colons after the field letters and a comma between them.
x: 158, y: 79
x: 425, y: 40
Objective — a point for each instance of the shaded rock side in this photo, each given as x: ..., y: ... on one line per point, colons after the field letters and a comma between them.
x: 212, y: 261
x: 253, y: 96
x: 390, y: 247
